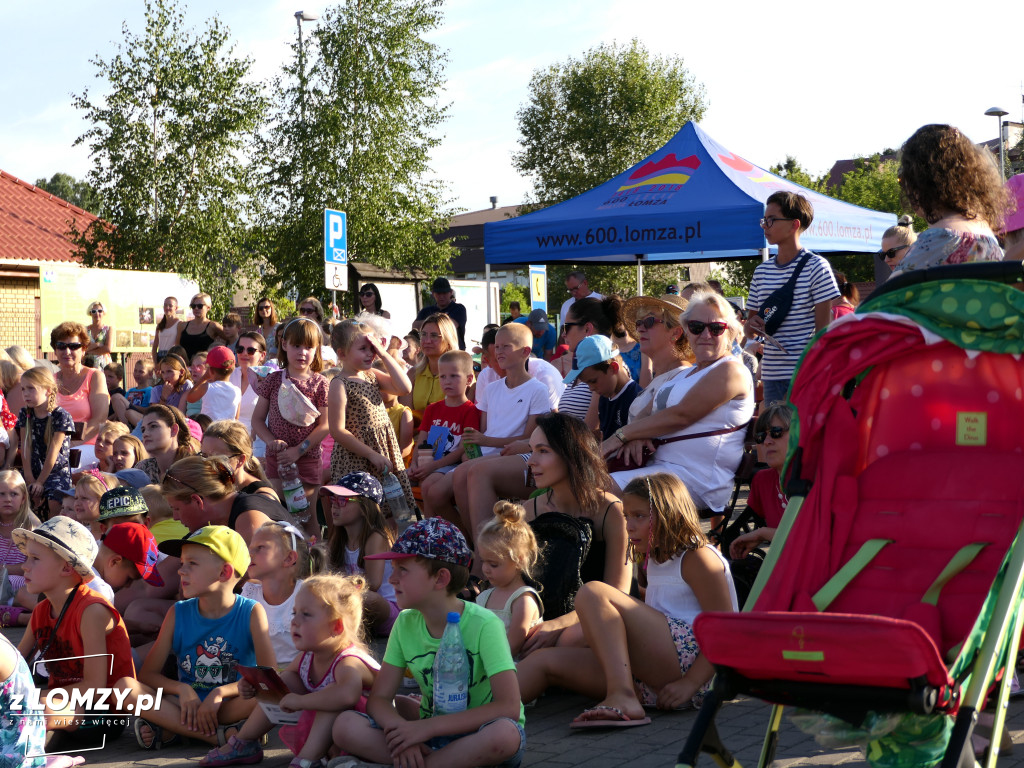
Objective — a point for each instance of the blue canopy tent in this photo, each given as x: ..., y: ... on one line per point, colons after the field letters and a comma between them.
x: 692, y: 200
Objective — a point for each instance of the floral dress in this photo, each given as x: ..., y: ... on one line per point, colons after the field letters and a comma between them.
x: 368, y: 420
x: 102, y: 336
x: 59, y: 478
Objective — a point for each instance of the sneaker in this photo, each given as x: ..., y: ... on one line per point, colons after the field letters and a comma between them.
x: 242, y: 752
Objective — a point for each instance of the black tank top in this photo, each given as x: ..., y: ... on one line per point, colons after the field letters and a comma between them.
x: 195, y: 342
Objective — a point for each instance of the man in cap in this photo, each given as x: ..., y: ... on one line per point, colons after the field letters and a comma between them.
x: 544, y: 334
x: 444, y: 301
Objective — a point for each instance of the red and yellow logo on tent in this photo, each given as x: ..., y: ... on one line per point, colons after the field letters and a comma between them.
x: 668, y: 170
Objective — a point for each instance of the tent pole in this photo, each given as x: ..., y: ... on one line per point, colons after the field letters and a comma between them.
x: 487, y: 287
x: 639, y: 275
x: 764, y: 254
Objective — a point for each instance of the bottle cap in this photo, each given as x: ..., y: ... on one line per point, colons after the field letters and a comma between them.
x: 453, y: 617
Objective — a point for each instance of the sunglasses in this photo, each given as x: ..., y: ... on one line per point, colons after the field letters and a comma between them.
x: 775, y: 432
x: 169, y: 476
x: 205, y: 455
x: 197, y: 306
x: 368, y: 293
x: 307, y: 311
x: 647, y: 323
x: 248, y: 350
x: 340, y: 501
x: 715, y: 329
x: 891, y: 253
x: 96, y: 311
x: 567, y: 325
x: 74, y: 346
x: 264, y: 308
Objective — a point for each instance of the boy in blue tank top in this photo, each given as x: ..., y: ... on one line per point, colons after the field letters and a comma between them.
x: 210, y: 632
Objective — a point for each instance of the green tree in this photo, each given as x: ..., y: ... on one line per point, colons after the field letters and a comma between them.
x: 791, y: 170
x: 356, y: 118
x: 167, y: 146
x: 73, y: 191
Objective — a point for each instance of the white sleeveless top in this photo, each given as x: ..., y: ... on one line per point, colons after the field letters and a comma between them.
x: 167, y: 337
x: 667, y: 593
x: 352, y: 567
x: 505, y: 612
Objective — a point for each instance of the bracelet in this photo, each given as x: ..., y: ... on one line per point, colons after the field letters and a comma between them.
x: 619, y: 434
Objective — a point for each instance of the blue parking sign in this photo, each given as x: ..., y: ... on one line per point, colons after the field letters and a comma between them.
x: 335, y: 250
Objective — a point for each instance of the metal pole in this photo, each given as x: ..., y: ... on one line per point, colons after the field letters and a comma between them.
x: 487, y: 284
x: 639, y: 275
x: 1002, y: 157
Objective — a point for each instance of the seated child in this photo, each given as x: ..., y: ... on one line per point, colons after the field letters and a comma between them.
x: 231, y: 326
x: 128, y: 553
x: 160, y: 519
x: 599, y: 366
x: 333, y: 674
x: 114, y: 374
x: 357, y: 528
x: 221, y: 399
x: 23, y: 744
x: 74, y: 628
x: 508, y: 552
x: 130, y: 406
x: 541, y: 370
x: 120, y: 505
x: 128, y: 451
x: 209, y: 632
x: 197, y: 367
x: 431, y: 566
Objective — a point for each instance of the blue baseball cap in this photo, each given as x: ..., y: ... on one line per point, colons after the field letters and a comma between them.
x: 591, y: 351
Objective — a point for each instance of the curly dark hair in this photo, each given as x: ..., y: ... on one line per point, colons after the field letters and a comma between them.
x: 575, y: 444
x: 942, y: 172
x: 604, y: 314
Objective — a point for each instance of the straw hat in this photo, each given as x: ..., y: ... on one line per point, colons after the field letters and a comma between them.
x: 667, y: 303
x: 66, y: 538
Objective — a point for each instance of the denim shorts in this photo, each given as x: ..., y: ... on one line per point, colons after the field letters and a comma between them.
x: 438, y: 742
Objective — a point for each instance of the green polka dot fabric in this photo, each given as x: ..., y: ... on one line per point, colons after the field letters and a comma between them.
x: 973, y: 314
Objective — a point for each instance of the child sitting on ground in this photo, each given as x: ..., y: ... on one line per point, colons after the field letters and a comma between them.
x: 333, y: 674
x: 209, y: 632
x: 221, y: 399
x: 198, y: 368
x: 431, y: 566
x: 599, y: 366
x: 120, y: 505
x: 508, y: 553
x: 76, y: 631
x: 160, y: 519
x: 357, y: 528
x: 128, y: 553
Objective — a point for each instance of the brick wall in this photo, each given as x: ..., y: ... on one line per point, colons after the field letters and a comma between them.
x: 19, y: 313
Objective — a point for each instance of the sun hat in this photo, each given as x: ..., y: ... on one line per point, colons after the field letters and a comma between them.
x: 434, y: 538
x: 538, y: 319
x: 220, y: 357
x: 666, y: 303
x: 591, y: 351
x: 68, y: 539
x: 356, y: 484
x: 135, y: 543
x: 1015, y: 220
x: 122, y: 502
x: 225, y: 543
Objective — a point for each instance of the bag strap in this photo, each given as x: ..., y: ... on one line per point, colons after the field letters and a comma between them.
x: 56, y: 626
x: 724, y: 431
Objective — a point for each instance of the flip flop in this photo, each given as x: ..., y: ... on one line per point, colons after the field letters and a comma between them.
x: 623, y: 720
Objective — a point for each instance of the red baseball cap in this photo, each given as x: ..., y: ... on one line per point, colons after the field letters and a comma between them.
x: 220, y: 357
x: 134, y: 542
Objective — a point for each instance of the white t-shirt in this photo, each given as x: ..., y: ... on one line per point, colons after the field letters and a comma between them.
x: 572, y: 300
x: 221, y: 400
x: 245, y: 409
x: 508, y: 410
x: 541, y: 370
x: 99, y: 585
x: 279, y: 617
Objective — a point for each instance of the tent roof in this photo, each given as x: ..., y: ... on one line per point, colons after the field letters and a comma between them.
x: 692, y: 200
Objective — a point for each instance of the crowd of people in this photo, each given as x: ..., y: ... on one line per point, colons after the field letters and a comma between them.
x: 245, y: 505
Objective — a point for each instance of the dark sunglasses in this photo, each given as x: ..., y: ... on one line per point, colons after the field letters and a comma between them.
x: 169, y: 476
x: 367, y: 293
x: 197, y: 306
x: 264, y: 308
x: 648, y: 322
x: 891, y: 253
x: 775, y: 432
x: 205, y: 455
x: 307, y: 311
x: 696, y: 327
x: 74, y: 346
x: 248, y: 350
x: 568, y: 324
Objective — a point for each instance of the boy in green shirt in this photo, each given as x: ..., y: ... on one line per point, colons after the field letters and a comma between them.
x: 431, y: 564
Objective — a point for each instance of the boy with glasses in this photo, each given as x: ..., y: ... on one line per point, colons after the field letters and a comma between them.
x: 791, y: 293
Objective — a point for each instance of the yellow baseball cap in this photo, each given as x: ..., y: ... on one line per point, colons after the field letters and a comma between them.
x: 225, y: 543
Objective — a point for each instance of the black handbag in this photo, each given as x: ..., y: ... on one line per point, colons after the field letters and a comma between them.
x: 776, y: 307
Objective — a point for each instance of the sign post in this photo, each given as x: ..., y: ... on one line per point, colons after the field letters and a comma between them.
x: 539, y: 286
x: 335, y: 251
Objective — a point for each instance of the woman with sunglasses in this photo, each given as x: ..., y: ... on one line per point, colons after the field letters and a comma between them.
x: 264, y: 317
x: 101, y: 336
x: 715, y: 395
x: 199, y: 333
x: 370, y: 301
x: 767, y: 498
x: 81, y: 391
x: 896, y: 241
x: 250, y: 352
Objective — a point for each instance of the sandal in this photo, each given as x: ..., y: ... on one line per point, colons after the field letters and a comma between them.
x: 222, y: 732
x: 157, y: 739
x: 243, y: 752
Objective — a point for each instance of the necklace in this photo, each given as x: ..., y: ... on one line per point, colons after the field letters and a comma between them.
x: 782, y: 497
x: 64, y: 387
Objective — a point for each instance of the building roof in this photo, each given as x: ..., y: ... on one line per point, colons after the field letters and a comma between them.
x: 34, y: 224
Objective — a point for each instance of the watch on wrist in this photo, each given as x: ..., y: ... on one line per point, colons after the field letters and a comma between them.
x: 619, y: 434
x: 304, y: 446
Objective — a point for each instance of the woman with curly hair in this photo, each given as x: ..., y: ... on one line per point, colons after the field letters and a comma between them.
x: 81, y: 391
x: 955, y: 186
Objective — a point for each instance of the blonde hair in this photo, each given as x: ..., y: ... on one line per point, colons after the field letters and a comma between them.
x: 720, y: 304
x: 345, y: 333
x: 93, y: 306
x: 342, y: 597
x: 508, y: 534
x: 675, y: 525
x: 97, y: 483
x: 460, y: 359
x: 449, y: 335
x: 159, y: 509
x: 206, y: 298
x: 236, y: 437
x: 13, y: 478
x: 136, y: 445
x: 520, y: 334
x: 290, y: 542
x: 902, y: 230
x: 209, y: 478
x: 10, y: 374
x: 40, y: 376
x: 21, y: 357
x: 146, y: 363
x: 302, y: 332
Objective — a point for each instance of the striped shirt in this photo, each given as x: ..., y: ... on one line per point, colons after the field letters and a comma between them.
x: 815, y: 285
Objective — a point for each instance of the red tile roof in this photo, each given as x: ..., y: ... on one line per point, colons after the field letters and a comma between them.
x: 34, y: 223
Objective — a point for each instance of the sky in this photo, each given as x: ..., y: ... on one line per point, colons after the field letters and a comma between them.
x: 818, y: 81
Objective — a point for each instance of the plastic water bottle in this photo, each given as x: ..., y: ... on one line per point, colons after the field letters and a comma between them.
x: 394, y: 495
x: 294, y: 494
x: 451, y: 671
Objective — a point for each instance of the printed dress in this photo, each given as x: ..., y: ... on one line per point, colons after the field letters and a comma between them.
x: 19, y: 736
x: 367, y: 419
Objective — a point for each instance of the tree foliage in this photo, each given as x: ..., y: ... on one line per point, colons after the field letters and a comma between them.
x: 167, y: 145
x: 355, y: 120
x: 71, y: 190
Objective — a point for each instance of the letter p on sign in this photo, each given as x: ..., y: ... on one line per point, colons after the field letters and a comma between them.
x: 335, y: 250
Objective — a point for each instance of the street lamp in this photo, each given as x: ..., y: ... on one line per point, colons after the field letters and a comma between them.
x: 301, y: 16
x: 999, y: 114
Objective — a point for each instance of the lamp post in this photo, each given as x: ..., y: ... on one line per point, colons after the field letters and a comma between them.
x: 301, y: 16
x: 999, y: 114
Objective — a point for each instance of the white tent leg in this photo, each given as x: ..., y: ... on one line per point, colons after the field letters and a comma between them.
x: 487, y: 288
x: 639, y: 277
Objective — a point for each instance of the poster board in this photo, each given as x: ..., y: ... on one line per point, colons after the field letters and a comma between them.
x: 133, y: 300
x: 473, y: 295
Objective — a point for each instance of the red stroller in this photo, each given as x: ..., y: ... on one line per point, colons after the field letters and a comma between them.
x: 894, y: 581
